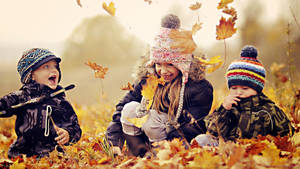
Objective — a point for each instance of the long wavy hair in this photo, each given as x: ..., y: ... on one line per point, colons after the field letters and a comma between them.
x: 166, y: 97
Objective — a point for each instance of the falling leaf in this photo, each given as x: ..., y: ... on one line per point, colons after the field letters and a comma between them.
x: 79, y: 3
x: 224, y: 3
x: 212, y: 61
x: 149, y: 1
x: 183, y: 41
x: 225, y: 29
x: 138, y: 122
x: 128, y: 87
x: 231, y: 11
x: 99, y: 70
x: 110, y: 8
x: 196, y: 28
x: 149, y: 88
x: 195, y: 6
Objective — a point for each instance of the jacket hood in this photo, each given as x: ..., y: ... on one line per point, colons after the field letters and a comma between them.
x: 196, y: 72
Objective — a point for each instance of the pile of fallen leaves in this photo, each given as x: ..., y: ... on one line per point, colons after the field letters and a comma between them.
x: 93, y: 151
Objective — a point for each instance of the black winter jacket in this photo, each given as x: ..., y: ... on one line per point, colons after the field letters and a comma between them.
x: 35, y: 131
x: 198, y: 97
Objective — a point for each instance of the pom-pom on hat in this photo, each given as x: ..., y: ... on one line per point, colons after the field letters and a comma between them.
x: 33, y: 59
x: 162, y: 51
x: 247, y: 71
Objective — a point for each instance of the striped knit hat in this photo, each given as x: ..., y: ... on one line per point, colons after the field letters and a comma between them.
x: 247, y: 71
x: 33, y: 59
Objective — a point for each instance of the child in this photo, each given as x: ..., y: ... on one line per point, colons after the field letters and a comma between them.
x: 246, y: 112
x: 179, y: 105
x: 36, y: 134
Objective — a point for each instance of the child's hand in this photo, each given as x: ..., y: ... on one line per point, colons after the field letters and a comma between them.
x: 229, y: 100
x: 63, y: 135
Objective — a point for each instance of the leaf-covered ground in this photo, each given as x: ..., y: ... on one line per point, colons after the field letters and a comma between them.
x: 92, y: 151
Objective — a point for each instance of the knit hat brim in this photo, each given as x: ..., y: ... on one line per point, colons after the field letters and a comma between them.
x: 47, y: 59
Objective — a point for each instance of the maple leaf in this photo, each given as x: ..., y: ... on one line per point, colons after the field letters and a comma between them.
x: 183, y: 41
x: 232, y: 12
x: 149, y: 88
x: 128, y: 87
x: 225, y: 29
x: 79, y: 3
x: 110, y: 8
x: 195, y: 6
x: 196, y: 28
x: 224, y: 3
x: 138, y: 122
x: 214, y: 63
x: 99, y: 70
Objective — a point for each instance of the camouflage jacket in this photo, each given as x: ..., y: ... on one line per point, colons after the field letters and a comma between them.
x: 34, y: 129
x: 256, y: 115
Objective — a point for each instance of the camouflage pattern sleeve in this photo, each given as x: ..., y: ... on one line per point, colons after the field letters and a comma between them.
x: 223, y: 123
x: 281, y: 123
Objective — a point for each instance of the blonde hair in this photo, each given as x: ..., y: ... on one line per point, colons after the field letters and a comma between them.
x: 166, y: 98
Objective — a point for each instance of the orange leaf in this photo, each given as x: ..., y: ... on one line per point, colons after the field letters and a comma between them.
x: 99, y: 70
x: 79, y: 3
x: 231, y: 12
x: 110, y: 8
x: 195, y: 6
x: 196, y: 28
x: 224, y: 3
x: 225, y: 29
x: 128, y: 87
x: 183, y: 41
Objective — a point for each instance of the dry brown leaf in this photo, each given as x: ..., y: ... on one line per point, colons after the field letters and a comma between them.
x: 195, y: 6
x: 109, y: 8
x: 225, y: 29
x: 128, y: 87
x: 79, y: 3
x: 148, y: 1
x: 224, y: 3
x: 183, y: 41
x: 99, y: 70
x: 196, y: 28
x: 231, y: 11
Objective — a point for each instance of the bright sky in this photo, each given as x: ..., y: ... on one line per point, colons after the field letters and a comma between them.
x: 38, y: 21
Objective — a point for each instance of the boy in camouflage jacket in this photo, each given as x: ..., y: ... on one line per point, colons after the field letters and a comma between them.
x: 246, y: 112
x: 36, y: 133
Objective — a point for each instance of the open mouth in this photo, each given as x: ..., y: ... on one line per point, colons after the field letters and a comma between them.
x: 52, y: 79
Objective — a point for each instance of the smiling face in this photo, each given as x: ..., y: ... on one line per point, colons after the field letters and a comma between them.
x: 47, y: 74
x: 242, y: 91
x: 167, y: 71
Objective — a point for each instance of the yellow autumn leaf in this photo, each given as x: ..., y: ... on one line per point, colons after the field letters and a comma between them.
x: 17, y: 165
x: 183, y: 41
x: 195, y: 6
x: 110, y: 8
x: 213, y: 68
x: 79, y: 3
x: 224, y: 3
x: 212, y: 61
x: 225, y: 29
x: 232, y: 12
x: 149, y: 88
x: 196, y: 28
x: 138, y: 122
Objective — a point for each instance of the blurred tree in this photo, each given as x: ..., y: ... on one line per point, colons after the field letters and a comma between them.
x: 101, y: 39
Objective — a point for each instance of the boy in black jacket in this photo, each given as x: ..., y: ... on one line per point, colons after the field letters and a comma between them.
x: 40, y: 126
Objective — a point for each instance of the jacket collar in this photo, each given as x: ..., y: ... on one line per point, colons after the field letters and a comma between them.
x: 253, y: 101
